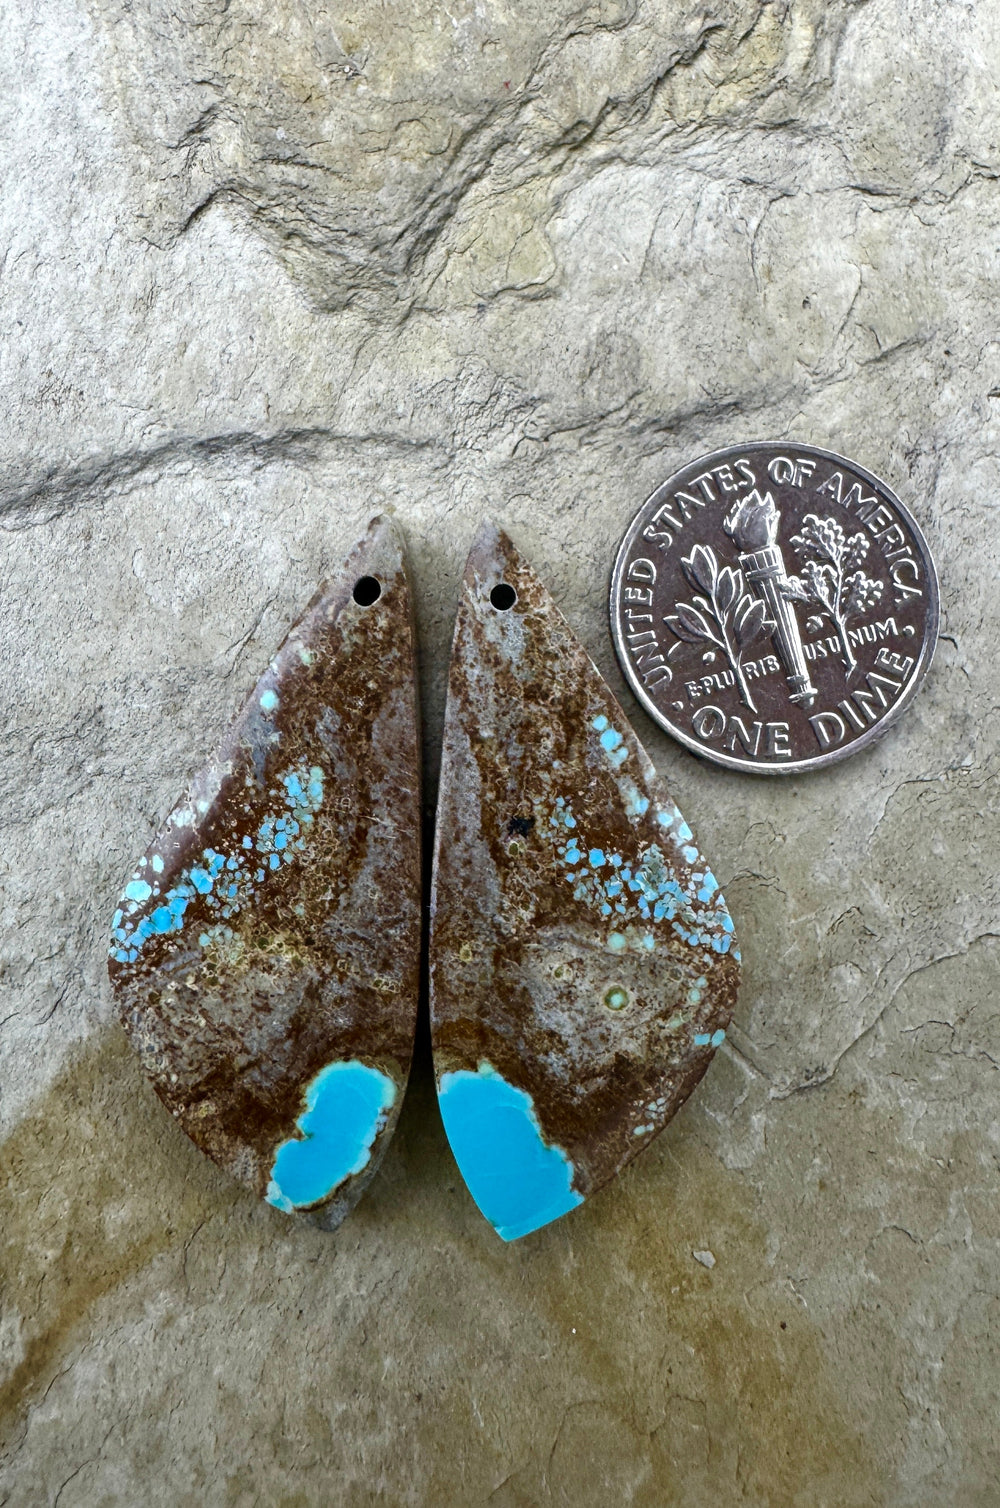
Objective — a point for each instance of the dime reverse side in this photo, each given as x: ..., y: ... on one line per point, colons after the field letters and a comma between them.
x: 774, y: 607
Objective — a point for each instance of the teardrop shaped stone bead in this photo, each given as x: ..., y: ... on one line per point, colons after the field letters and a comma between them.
x: 582, y: 962
x: 265, y: 954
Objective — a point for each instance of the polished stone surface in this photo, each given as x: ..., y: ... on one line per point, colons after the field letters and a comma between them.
x: 268, y: 270
x: 265, y: 953
x: 583, y: 965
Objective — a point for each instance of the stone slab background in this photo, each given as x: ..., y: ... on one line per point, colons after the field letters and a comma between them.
x: 267, y: 267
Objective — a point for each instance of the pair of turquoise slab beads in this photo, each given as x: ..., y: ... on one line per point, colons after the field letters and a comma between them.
x: 266, y: 952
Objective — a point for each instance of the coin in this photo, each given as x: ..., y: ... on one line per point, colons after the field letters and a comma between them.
x: 774, y: 607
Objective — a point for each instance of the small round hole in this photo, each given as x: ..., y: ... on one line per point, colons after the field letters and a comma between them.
x: 503, y: 597
x: 367, y: 591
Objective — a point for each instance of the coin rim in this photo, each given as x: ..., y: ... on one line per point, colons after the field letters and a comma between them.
x: 833, y: 756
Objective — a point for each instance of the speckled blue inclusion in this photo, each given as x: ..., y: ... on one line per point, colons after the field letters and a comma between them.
x: 518, y: 1181
x: 346, y: 1105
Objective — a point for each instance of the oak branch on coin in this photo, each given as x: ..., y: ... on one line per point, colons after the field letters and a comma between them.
x: 813, y: 614
x: 829, y: 555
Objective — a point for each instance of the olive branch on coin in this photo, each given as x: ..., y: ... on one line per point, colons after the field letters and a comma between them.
x: 738, y: 616
x: 828, y: 556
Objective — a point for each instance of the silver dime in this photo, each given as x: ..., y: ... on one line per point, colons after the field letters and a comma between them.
x: 774, y: 607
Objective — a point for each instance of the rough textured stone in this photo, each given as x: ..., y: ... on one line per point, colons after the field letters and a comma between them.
x: 261, y: 281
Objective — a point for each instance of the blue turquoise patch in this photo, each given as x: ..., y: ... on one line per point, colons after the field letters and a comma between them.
x: 645, y: 890
x: 277, y: 840
x: 519, y: 1181
x: 346, y: 1108
x: 611, y: 740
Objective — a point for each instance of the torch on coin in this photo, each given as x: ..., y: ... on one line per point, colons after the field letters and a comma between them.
x: 752, y: 524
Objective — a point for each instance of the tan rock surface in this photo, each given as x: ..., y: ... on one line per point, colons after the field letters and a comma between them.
x: 267, y: 269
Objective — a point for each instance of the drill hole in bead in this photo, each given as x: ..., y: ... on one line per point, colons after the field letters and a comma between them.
x: 367, y: 591
x: 503, y: 597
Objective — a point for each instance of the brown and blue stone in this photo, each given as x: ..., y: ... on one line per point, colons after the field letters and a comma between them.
x: 265, y: 954
x: 583, y: 968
